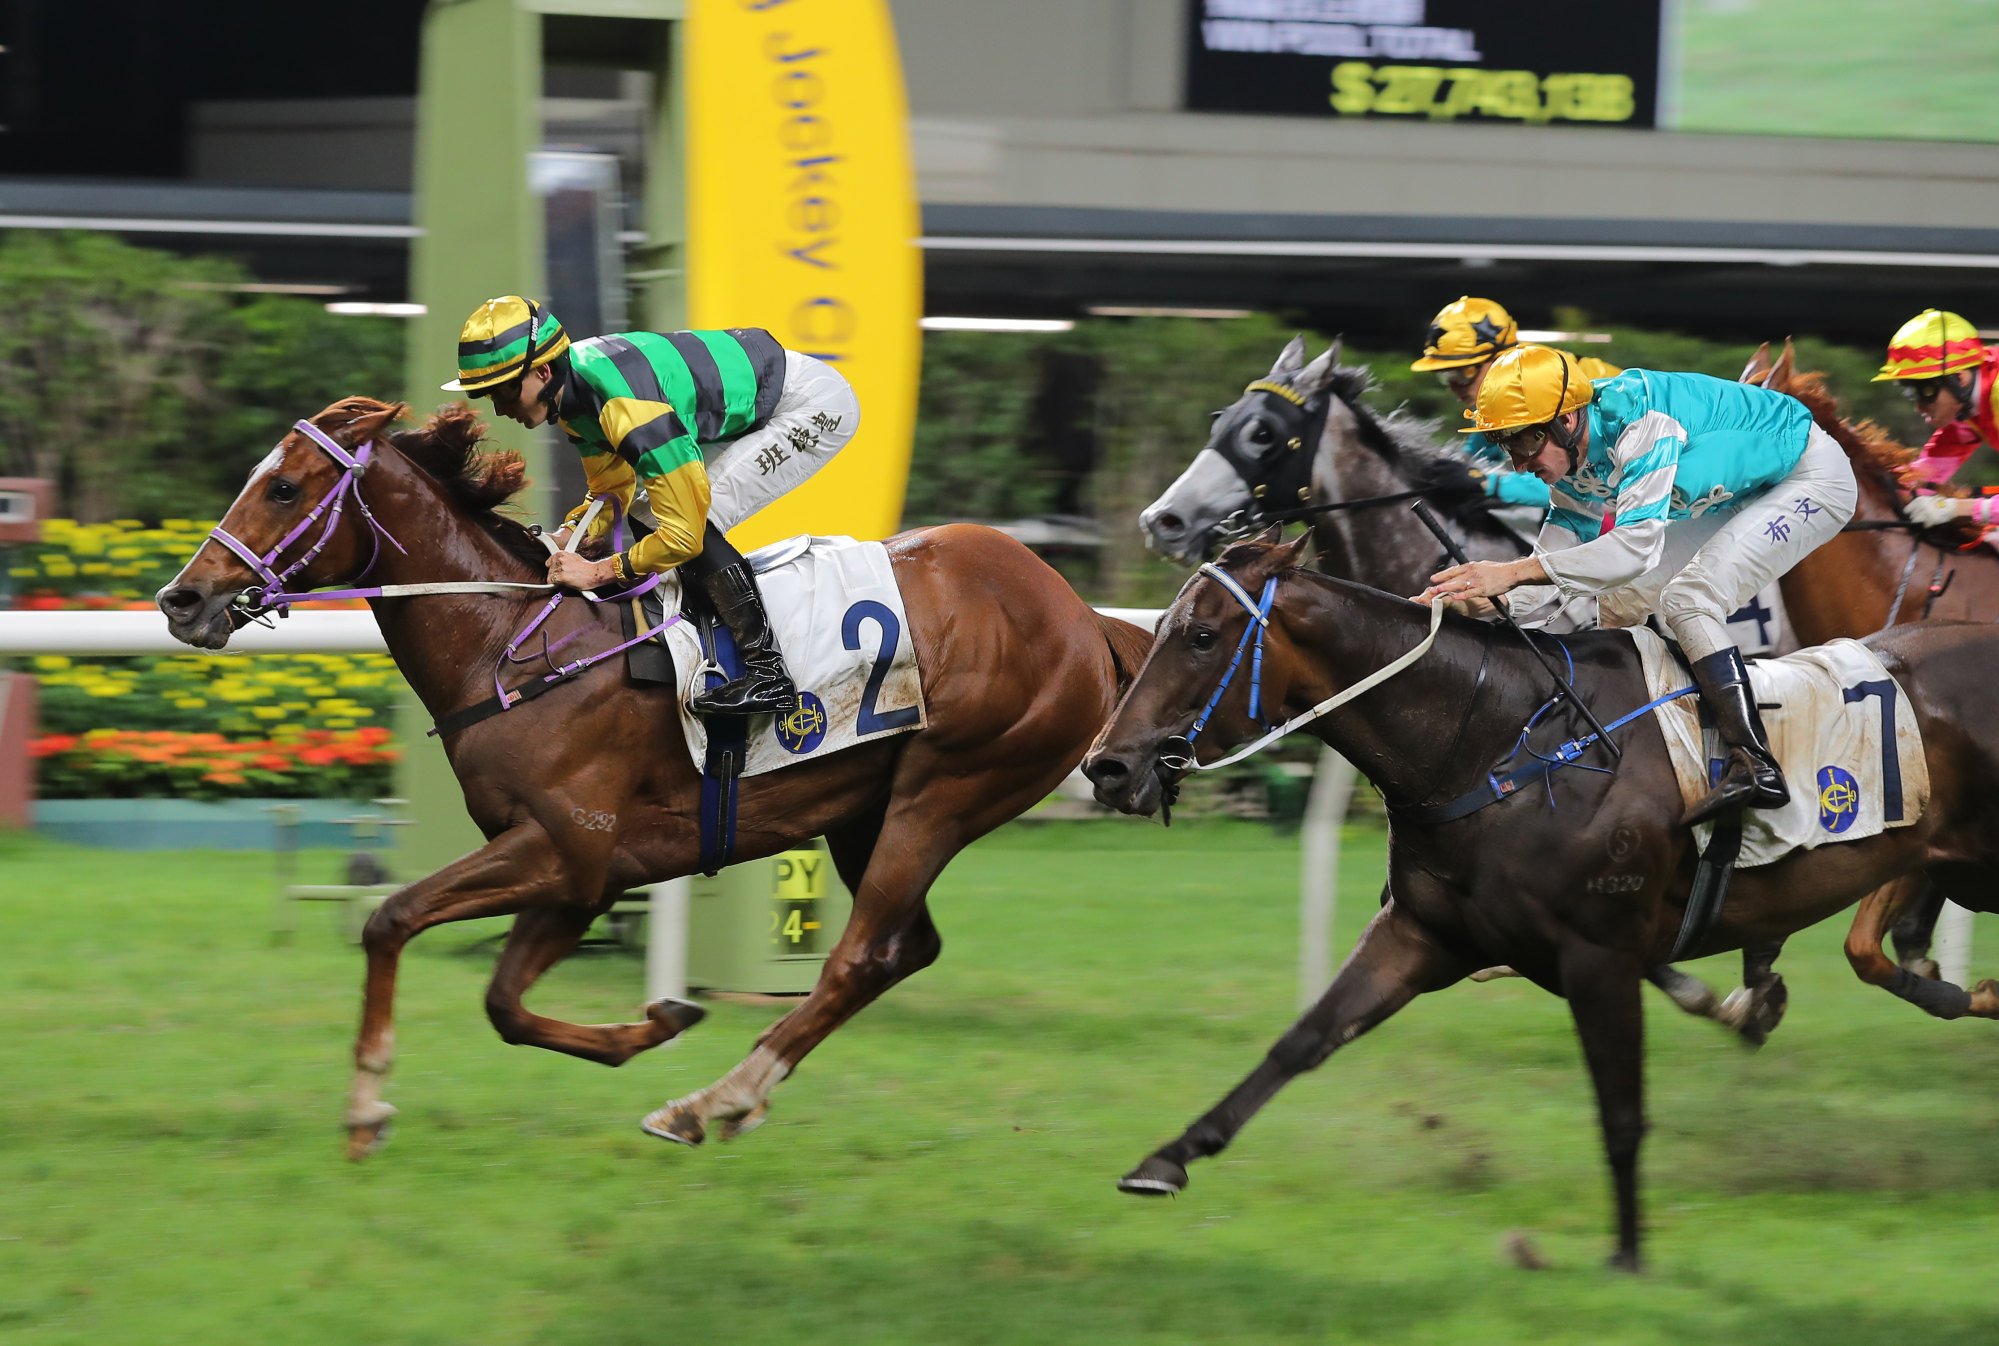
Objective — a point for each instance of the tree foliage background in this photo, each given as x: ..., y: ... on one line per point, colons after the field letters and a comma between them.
x: 145, y: 384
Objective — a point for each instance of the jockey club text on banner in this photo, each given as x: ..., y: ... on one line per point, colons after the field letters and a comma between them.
x: 802, y: 219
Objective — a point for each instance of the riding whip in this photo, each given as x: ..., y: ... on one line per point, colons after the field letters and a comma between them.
x: 1456, y: 553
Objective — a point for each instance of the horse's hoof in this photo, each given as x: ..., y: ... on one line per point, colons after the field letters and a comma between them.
x: 677, y: 1016
x: 730, y: 1128
x: 675, y: 1123
x: 1985, y: 999
x: 1154, y: 1177
x: 1626, y: 1262
x: 1926, y: 968
x: 368, y: 1129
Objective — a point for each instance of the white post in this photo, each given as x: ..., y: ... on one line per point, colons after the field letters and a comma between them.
x: 666, y: 940
x: 1319, y: 872
x: 1953, y: 944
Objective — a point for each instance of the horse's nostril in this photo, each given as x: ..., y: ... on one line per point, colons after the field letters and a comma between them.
x: 1170, y: 523
x: 1104, y: 770
x: 179, y: 602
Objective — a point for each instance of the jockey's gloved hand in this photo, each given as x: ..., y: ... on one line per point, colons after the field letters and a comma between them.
x: 1931, y: 511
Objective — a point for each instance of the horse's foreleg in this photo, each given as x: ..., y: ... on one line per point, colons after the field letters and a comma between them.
x: 539, y: 940
x: 1602, y: 990
x: 514, y: 870
x: 1394, y: 962
x: 1878, y: 911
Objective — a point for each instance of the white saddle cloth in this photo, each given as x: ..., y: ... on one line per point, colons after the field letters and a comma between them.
x: 840, y: 624
x: 1851, y: 775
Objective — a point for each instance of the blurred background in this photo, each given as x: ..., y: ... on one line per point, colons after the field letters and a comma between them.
x: 1046, y: 239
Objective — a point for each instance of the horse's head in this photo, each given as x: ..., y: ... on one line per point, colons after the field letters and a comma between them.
x: 1259, y: 457
x: 1197, y: 681
x: 290, y: 527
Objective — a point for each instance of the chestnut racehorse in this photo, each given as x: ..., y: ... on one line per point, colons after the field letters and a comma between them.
x: 1582, y: 897
x: 590, y: 790
x: 1878, y: 571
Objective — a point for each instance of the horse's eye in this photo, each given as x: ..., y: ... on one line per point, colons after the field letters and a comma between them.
x: 1201, y: 638
x: 1260, y: 433
x: 283, y: 492
x: 1214, y: 415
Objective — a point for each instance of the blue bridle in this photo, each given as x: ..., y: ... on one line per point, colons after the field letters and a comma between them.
x: 1177, y: 754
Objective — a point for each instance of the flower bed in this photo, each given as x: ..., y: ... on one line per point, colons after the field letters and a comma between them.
x: 293, y: 763
x: 190, y: 726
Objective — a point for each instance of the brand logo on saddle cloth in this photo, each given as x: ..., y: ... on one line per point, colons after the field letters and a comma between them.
x: 843, y: 632
x: 1835, y: 718
x: 1839, y: 799
x: 805, y: 728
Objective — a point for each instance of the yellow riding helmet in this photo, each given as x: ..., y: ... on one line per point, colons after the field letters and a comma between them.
x: 1467, y: 332
x: 502, y: 340
x: 1528, y: 385
x: 1932, y: 345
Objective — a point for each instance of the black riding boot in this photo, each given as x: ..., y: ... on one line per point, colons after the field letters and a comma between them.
x: 763, y: 687
x: 1752, y: 778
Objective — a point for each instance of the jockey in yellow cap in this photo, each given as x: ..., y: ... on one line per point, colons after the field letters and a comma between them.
x: 1674, y: 494
x: 1944, y: 368
x: 1465, y: 337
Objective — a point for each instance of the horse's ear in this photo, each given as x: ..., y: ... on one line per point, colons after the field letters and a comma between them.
x: 1270, y: 536
x: 1295, y: 553
x: 1780, y: 372
x: 368, y: 424
x: 1758, y: 367
x: 1292, y: 357
x: 1319, y: 373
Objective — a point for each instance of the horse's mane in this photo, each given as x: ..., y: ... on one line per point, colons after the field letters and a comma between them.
x: 446, y: 448
x: 1408, y: 443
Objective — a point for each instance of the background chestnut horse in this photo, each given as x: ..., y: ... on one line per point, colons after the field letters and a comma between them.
x: 590, y: 790
x: 1873, y: 575
x: 1580, y: 898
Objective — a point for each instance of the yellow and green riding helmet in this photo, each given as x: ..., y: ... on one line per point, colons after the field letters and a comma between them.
x: 1467, y: 332
x: 502, y: 340
x: 1932, y: 345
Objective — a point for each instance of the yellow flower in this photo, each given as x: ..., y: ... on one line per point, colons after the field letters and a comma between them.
x: 50, y: 663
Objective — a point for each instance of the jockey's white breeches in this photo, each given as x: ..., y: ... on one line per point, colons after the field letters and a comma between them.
x: 1715, y: 563
x: 816, y: 414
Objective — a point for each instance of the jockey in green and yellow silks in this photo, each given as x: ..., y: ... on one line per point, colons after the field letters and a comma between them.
x: 711, y: 425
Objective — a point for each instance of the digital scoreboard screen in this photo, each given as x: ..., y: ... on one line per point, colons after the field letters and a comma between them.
x: 1427, y: 60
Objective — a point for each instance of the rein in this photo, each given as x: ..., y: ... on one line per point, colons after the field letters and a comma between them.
x: 272, y: 596
x: 1177, y: 752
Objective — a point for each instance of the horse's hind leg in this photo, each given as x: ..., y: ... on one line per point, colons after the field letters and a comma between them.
x: 539, y: 940
x: 889, y: 936
x: 515, y: 870
x: 941, y: 800
x: 1878, y: 911
x: 1394, y: 962
x: 1915, y: 929
x: 1755, y: 1008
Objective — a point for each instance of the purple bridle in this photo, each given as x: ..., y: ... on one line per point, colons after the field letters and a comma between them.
x: 271, y: 596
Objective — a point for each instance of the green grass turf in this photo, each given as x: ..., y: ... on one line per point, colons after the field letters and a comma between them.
x: 941, y: 1171
x: 1864, y: 68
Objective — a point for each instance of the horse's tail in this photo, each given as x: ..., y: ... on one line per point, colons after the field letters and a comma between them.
x: 1129, y: 646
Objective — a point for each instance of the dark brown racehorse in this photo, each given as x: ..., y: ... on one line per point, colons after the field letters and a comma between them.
x: 1581, y: 898
x: 590, y: 790
x: 1871, y: 576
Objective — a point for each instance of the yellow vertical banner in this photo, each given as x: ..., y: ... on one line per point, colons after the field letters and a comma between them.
x: 802, y: 219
